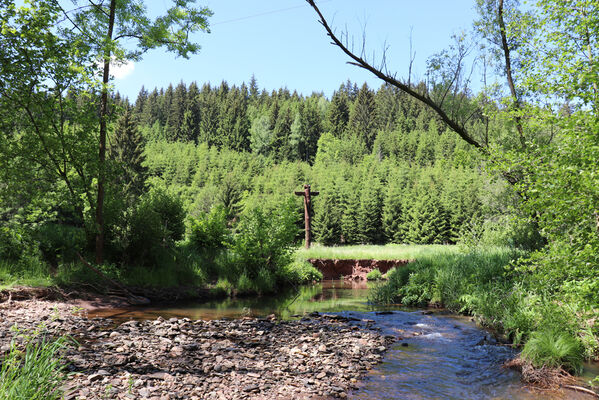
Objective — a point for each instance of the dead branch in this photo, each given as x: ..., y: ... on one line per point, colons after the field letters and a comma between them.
x: 362, y: 63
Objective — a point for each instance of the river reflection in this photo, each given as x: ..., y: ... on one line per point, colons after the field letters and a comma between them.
x: 328, y: 296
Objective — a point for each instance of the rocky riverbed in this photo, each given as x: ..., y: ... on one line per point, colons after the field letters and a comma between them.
x: 317, y: 356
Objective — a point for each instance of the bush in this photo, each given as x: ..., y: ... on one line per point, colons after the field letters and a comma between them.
x: 264, y: 242
x: 554, y: 349
x: 209, y: 230
x: 32, y: 373
x: 300, y: 271
x: 11, y: 243
x: 374, y: 275
x: 60, y: 243
x: 156, y: 224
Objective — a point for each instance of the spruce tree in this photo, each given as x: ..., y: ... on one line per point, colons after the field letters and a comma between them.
x: 311, y: 129
x: 349, y: 219
x: 362, y: 118
x: 208, y: 103
x: 128, y: 151
x: 393, y: 213
x: 327, y: 218
x: 338, y: 114
x: 370, y: 213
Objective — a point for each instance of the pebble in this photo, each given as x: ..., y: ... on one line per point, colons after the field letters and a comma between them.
x: 178, y: 358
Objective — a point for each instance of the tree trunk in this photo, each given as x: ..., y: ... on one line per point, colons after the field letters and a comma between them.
x: 102, y: 147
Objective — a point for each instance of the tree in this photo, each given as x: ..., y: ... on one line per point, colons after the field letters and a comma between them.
x: 128, y: 151
x: 362, y: 118
x: 338, y: 114
x: 95, y: 33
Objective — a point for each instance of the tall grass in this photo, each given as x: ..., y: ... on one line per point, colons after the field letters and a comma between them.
x: 29, y: 271
x: 374, y: 252
x: 550, y: 348
x: 33, y: 373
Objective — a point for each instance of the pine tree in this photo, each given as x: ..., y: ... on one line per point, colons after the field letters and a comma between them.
x: 327, y: 218
x: 128, y: 151
x: 362, y: 118
x: 370, y: 213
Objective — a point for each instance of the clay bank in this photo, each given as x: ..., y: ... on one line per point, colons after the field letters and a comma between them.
x: 353, y: 269
x: 318, y: 356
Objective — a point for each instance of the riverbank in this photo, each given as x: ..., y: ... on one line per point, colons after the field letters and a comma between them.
x: 315, y: 357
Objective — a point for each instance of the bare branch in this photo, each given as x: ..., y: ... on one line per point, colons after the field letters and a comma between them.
x: 360, y: 62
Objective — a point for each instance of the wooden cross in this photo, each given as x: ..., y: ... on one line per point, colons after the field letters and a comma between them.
x: 307, y: 204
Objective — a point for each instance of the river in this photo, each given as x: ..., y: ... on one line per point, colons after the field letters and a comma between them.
x: 441, y: 355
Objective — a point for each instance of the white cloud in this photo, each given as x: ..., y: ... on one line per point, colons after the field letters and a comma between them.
x: 122, y: 70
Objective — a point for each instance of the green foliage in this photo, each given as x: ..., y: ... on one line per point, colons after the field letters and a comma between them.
x: 302, y: 271
x: 550, y: 348
x: 156, y: 224
x: 209, y: 230
x: 33, y: 370
x: 262, y: 243
x: 374, y: 275
x: 60, y: 243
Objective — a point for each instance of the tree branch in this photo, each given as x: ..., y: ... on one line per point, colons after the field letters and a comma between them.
x: 360, y: 62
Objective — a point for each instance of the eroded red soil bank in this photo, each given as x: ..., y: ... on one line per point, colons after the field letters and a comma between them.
x: 353, y: 269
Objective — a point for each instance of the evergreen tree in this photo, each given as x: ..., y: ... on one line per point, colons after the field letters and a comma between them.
x: 338, y: 114
x: 190, y: 125
x: 208, y: 103
x: 254, y: 90
x: 362, y: 119
x: 393, y: 213
x: 281, y: 134
x: 128, y: 151
x: 311, y: 129
x: 327, y: 218
x: 176, y: 112
x: 370, y: 212
x: 349, y: 220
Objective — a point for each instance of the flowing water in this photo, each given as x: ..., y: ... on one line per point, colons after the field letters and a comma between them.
x: 441, y: 356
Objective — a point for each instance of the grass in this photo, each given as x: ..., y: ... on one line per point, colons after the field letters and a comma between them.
x: 34, y: 372
x: 28, y: 272
x: 548, y: 348
x: 374, y: 275
x: 374, y: 252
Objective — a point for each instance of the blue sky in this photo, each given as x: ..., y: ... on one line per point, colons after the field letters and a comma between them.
x: 283, y: 45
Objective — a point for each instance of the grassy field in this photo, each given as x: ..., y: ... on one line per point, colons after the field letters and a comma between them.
x: 373, y: 252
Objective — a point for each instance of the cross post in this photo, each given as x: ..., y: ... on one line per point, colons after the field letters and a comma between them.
x: 307, y: 193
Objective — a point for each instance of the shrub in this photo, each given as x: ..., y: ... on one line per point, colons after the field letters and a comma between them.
x: 302, y: 271
x: 374, y: 275
x: 11, y: 243
x: 209, y: 230
x: 265, y: 241
x: 35, y: 372
x: 554, y: 349
x: 60, y: 243
x: 156, y: 224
